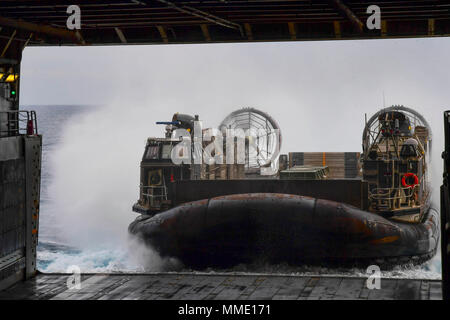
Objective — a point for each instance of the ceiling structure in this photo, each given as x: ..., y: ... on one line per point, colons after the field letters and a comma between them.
x: 115, y: 22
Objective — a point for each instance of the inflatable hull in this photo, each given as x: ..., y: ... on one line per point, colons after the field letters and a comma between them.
x: 228, y: 230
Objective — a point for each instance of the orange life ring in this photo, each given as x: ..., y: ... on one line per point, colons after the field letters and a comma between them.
x: 407, y: 175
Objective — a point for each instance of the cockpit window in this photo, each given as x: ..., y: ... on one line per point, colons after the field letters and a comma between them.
x: 152, y: 153
x: 166, y: 151
x: 409, y: 148
x: 408, y: 151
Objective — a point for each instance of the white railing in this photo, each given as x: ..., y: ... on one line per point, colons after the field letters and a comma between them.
x: 385, y: 193
x: 150, y: 197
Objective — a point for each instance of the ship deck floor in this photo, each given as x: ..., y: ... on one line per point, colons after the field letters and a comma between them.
x: 220, y: 286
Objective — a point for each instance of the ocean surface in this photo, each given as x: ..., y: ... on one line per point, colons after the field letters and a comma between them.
x: 86, y: 202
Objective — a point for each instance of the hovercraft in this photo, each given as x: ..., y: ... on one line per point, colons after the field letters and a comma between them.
x: 349, y: 208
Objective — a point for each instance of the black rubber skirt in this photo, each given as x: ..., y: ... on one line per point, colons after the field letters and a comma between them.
x: 228, y: 230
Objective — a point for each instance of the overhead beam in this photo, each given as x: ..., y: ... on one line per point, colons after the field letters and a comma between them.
x: 383, y: 28
x: 337, y: 29
x: 204, y: 15
x: 431, y: 25
x: 292, y: 31
x: 27, y: 41
x: 8, y: 61
x: 8, y: 44
x: 345, y: 11
x: 248, y: 31
x: 163, y: 34
x: 205, y: 32
x: 120, y: 35
x: 43, y: 29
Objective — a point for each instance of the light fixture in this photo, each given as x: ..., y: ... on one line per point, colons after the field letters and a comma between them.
x: 12, y: 77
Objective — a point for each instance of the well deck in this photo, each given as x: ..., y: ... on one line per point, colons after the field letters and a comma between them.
x: 220, y: 287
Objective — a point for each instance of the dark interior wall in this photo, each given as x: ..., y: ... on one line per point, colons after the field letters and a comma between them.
x: 12, y: 208
x: 20, y: 168
x: 20, y: 165
x: 13, y: 177
x: 5, y: 105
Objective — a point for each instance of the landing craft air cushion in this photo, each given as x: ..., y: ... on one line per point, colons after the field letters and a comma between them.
x: 384, y: 216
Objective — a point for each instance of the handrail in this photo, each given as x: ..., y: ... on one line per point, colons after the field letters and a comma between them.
x: 380, y: 196
x: 388, y: 191
x: 18, y: 122
x: 151, y: 197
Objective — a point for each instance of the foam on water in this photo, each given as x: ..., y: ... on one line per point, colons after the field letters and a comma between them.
x: 132, y: 257
x: 99, y: 260
x: 135, y: 259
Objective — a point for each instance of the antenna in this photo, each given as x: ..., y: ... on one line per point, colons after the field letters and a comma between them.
x: 365, y: 128
x: 384, y: 100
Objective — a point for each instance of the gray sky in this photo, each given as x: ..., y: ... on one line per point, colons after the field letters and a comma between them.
x: 317, y: 91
